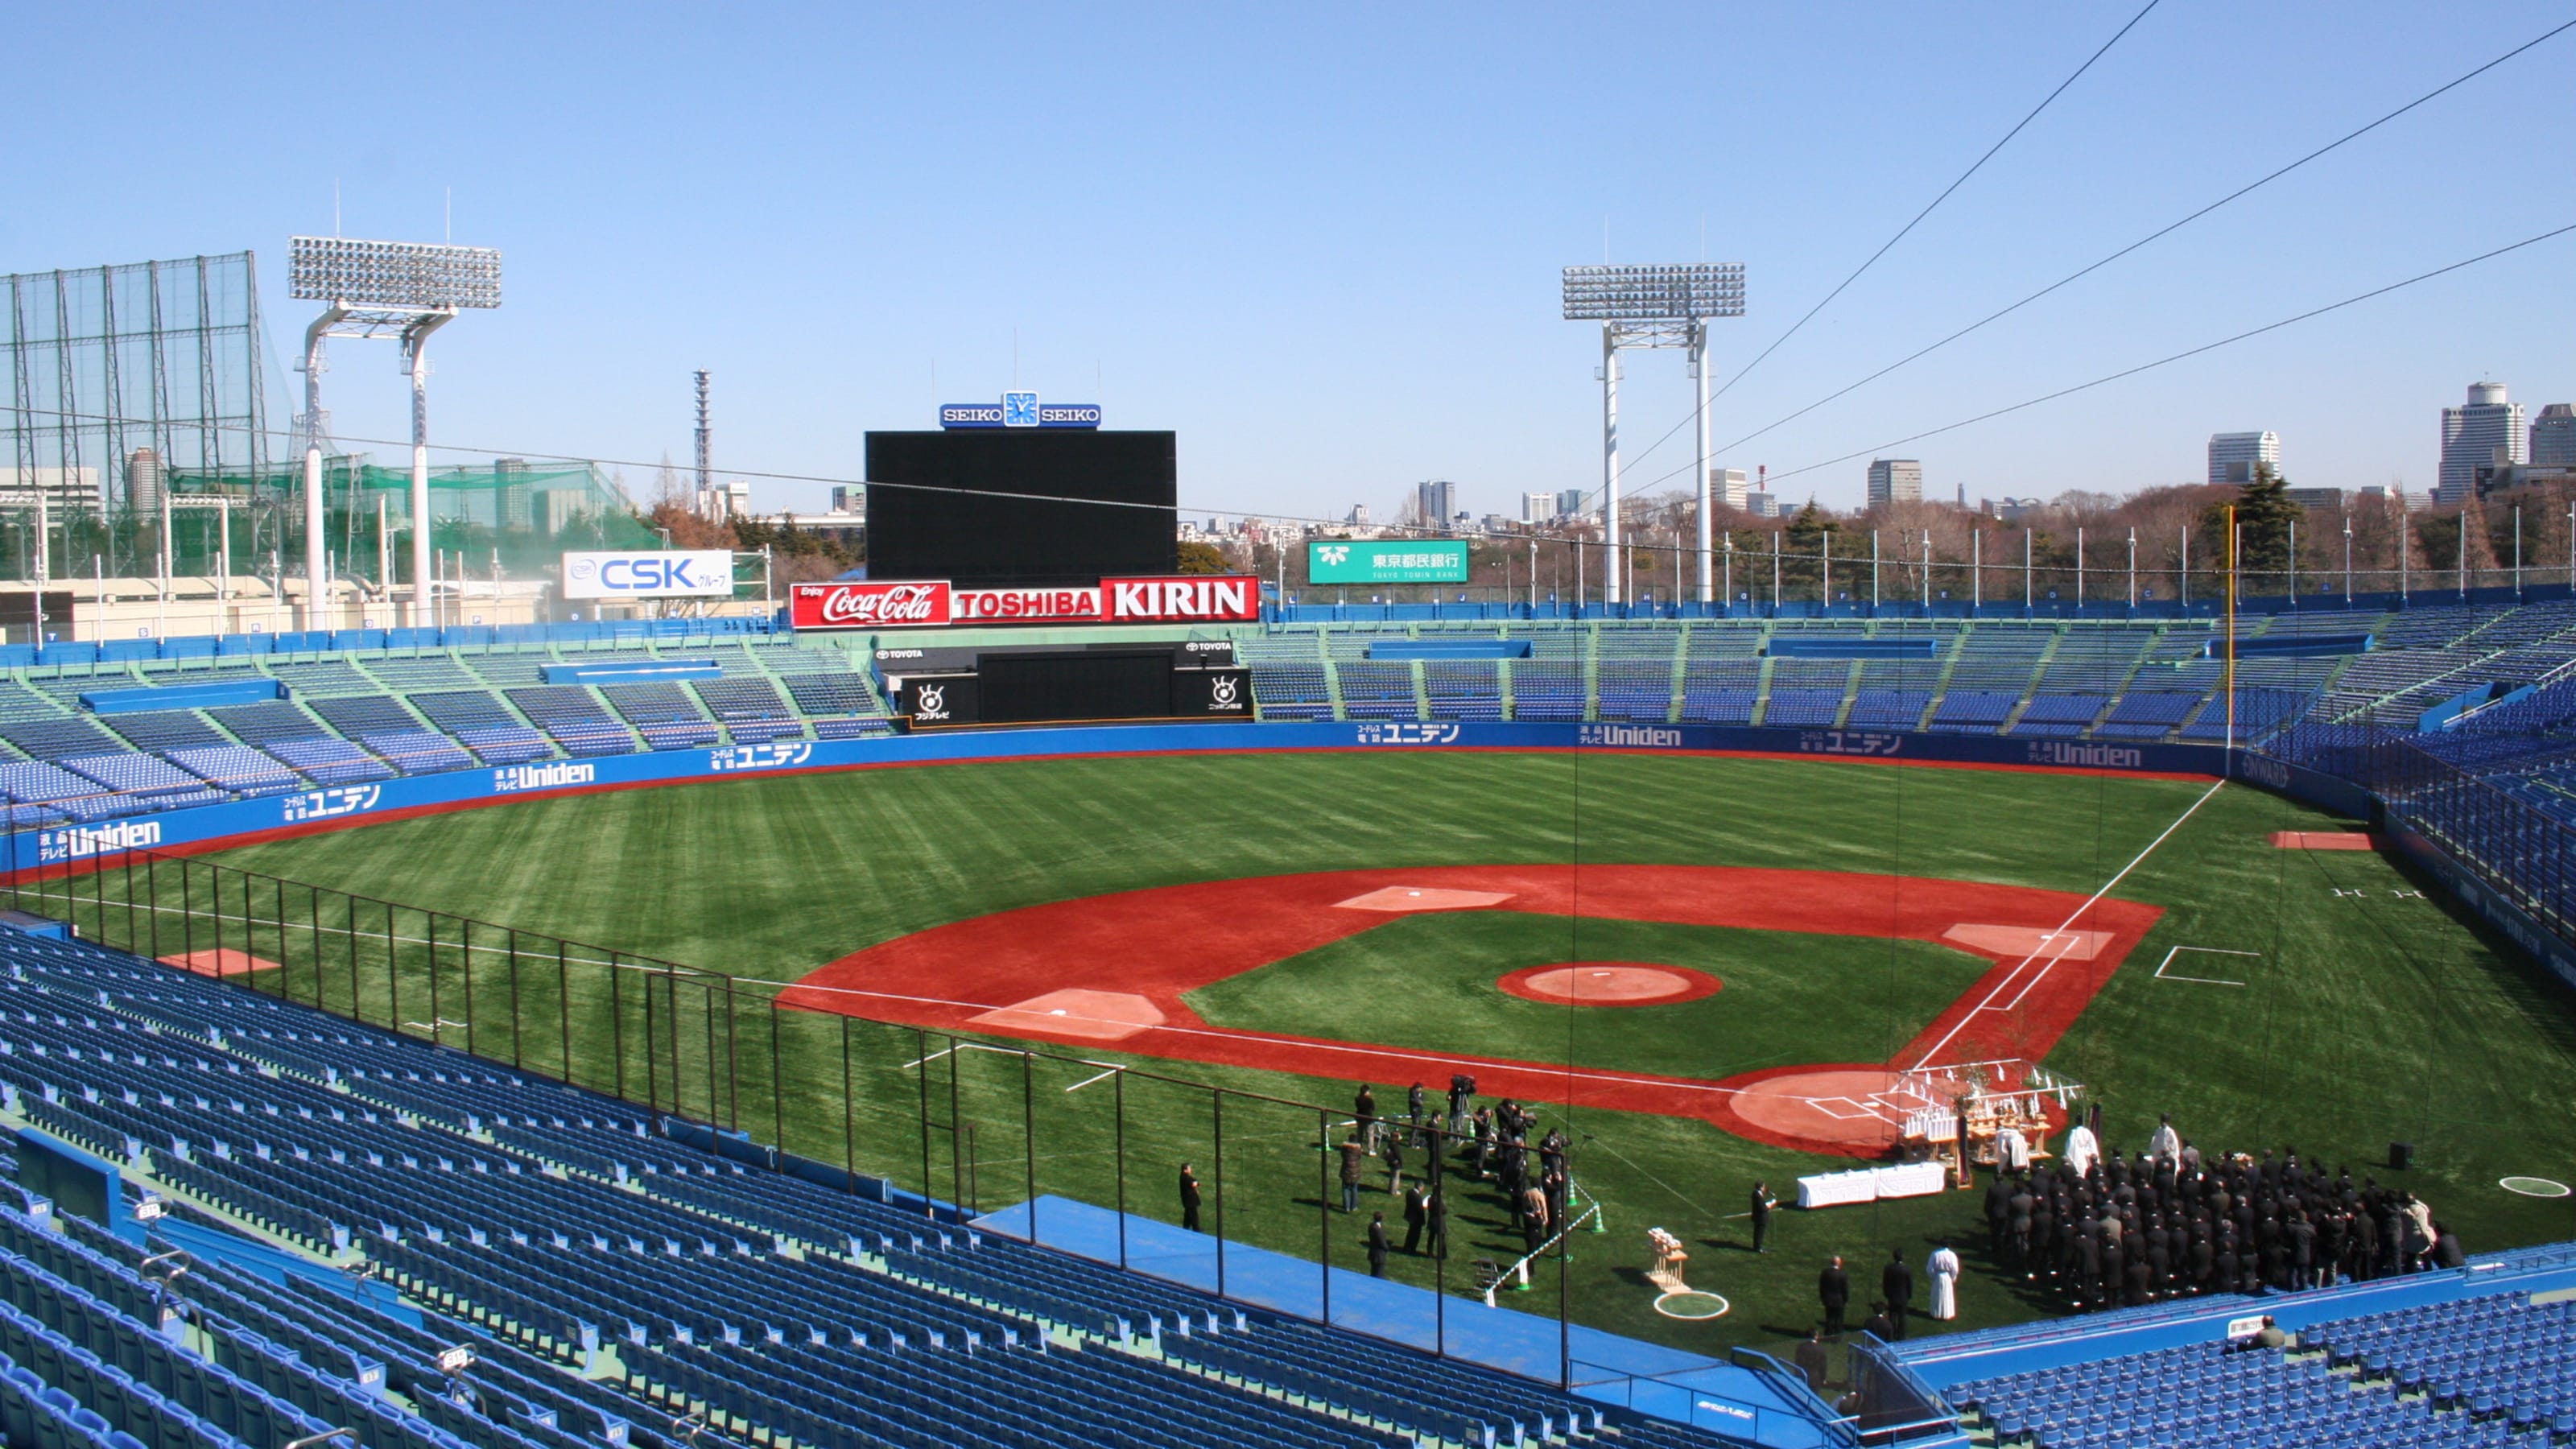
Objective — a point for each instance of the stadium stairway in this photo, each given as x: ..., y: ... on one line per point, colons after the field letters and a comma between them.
x: 353, y: 1204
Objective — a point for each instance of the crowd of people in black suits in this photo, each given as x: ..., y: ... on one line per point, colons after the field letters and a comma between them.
x: 1489, y: 1143
x: 2172, y: 1222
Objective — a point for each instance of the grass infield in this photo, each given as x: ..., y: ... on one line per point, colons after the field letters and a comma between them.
x: 2370, y: 1012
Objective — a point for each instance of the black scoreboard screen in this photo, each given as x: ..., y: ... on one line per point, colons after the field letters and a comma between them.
x: 997, y: 508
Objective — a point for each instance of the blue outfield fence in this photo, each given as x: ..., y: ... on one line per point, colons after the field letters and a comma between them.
x: 211, y: 825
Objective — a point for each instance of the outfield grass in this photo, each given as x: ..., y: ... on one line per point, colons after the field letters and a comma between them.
x: 2366, y: 1017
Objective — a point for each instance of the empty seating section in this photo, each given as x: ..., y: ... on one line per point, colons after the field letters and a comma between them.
x: 1288, y: 680
x: 2059, y: 714
x: 573, y: 719
x: 662, y: 714
x: 237, y: 768
x: 160, y: 731
x: 750, y: 709
x: 545, y: 1226
x: 2491, y: 1370
x: 485, y: 725
x: 1635, y: 673
x: 1463, y: 688
x: 1378, y: 690
x: 58, y: 739
x: 421, y: 707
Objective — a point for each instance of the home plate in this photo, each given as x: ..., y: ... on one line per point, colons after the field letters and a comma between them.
x: 223, y: 962
x: 1406, y: 898
x: 2026, y: 941
x: 1091, y: 1015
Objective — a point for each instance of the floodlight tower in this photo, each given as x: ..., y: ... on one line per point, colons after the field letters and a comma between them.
x: 402, y: 290
x: 1654, y: 306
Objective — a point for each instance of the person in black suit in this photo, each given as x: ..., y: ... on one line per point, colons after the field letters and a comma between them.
x: 1189, y: 1199
x: 1417, y: 1212
x: 1436, y: 1222
x: 1377, y: 1245
x: 1896, y: 1280
x: 1833, y: 1290
x: 1763, y: 1203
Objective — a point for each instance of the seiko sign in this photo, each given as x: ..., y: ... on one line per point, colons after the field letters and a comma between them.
x: 695, y: 574
x: 886, y: 605
x: 1019, y: 410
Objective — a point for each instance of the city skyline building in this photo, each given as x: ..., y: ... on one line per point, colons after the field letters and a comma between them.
x: 2486, y: 433
x: 1893, y: 480
x: 2233, y: 457
x: 1728, y: 486
x: 2553, y: 437
x: 1538, y: 507
x: 1435, y: 503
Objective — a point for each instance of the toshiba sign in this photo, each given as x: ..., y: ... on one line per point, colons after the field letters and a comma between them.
x: 925, y: 604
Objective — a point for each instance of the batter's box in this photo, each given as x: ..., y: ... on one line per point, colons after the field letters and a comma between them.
x: 2162, y: 974
x: 1859, y: 1109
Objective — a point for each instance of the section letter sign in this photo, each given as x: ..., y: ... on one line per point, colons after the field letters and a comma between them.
x: 1387, y: 561
x: 932, y: 604
x: 690, y: 574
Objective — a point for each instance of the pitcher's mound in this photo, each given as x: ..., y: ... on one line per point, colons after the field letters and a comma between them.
x: 1609, y: 983
x: 1425, y: 898
x: 1091, y: 1015
x: 223, y: 962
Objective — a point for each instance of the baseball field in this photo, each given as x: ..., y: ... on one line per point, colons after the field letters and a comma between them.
x: 1709, y: 969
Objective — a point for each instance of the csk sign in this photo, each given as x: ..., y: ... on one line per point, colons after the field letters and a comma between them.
x: 1387, y: 561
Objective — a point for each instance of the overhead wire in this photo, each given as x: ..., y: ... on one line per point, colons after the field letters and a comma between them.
x: 2157, y: 235
x: 1901, y: 232
x: 2161, y: 232
x: 2190, y: 352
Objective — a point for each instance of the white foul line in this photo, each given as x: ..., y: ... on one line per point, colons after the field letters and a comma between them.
x: 1087, y: 1081
x: 2089, y: 901
x: 2202, y: 980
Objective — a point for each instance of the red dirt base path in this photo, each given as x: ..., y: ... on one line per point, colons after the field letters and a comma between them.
x: 2323, y: 840
x: 221, y: 962
x: 989, y: 974
x: 1609, y: 983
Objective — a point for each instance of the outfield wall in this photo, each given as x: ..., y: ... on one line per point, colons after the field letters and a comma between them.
x: 212, y: 827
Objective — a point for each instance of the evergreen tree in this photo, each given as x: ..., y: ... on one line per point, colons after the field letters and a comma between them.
x: 2264, y: 514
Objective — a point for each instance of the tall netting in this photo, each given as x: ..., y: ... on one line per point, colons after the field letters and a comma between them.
x: 512, y: 511
x: 115, y: 378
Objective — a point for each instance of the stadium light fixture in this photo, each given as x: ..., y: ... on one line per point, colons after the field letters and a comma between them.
x: 403, y: 290
x: 1652, y: 306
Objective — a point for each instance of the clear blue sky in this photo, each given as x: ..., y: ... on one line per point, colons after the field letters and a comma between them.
x: 1322, y: 242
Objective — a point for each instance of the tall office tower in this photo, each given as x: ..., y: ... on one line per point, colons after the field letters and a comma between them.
x: 1435, y: 504
x: 1727, y: 486
x: 2553, y: 437
x: 2485, y: 433
x: 145, y: 477
x: 2232, y: 456
x: 1537, y: 507
x: 1569, y: 502
x: 1894, y: 480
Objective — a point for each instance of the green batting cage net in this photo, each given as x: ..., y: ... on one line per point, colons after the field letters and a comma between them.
x: 518, y: 514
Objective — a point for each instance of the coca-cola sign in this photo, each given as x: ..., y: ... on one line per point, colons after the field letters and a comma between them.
x: 890, y: 605
x: 869, y: 605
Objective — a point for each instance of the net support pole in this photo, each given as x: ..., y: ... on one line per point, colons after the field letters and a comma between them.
x: 415, y: 346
